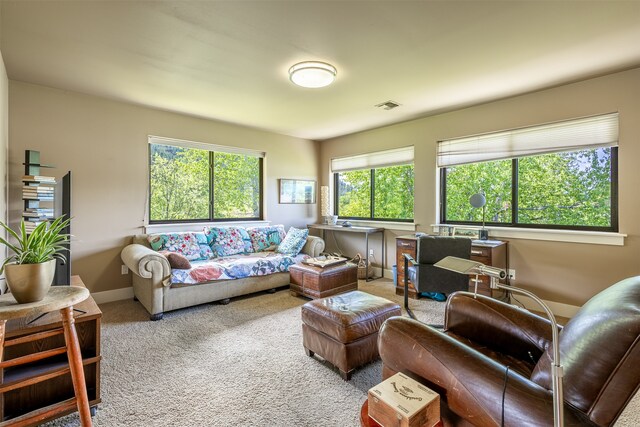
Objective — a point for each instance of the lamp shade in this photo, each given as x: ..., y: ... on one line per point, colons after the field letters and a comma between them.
x: 312, y: 74
x: 478, y: 200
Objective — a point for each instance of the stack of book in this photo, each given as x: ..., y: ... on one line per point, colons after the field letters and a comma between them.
x: 37, y: 189
x: 37, y: 192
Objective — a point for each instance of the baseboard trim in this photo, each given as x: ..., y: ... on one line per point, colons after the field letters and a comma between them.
x: 557, y: 308
x: 113, y: 295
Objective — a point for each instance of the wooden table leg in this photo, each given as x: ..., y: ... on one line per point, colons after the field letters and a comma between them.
x: 2, y: 323
x: 75, y: 366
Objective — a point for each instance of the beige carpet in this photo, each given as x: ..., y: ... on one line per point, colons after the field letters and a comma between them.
x: 235, y: 365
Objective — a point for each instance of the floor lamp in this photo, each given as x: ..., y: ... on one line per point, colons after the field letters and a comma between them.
x: 465, y: 266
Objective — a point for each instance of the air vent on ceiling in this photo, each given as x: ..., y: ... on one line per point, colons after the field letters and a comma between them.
x: 388, y: 105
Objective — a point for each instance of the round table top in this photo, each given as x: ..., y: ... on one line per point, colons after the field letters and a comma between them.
x: 57, y: 298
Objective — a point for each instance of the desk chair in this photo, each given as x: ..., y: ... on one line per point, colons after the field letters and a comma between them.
x: 427, y: 278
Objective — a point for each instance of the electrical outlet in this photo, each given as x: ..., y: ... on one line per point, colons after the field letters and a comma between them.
x: 370, y: 252
x: 511, y: 274
x: 124, y: 269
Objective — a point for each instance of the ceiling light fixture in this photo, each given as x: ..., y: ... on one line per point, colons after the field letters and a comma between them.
x: 312, y: 74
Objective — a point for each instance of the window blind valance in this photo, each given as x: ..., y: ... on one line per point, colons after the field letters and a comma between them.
x: 204, y: 146
x: 395, y: 157
x: 570, y: 135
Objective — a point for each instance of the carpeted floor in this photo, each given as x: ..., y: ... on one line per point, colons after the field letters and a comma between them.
x: 236, y: 365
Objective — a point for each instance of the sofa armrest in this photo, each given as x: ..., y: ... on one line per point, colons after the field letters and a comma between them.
x: 145, y: 262
x: 497, y: 325
x: 313, y: 247
x: 470, y: 383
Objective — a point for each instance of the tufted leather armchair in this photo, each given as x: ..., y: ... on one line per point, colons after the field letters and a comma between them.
x: 466, y: 363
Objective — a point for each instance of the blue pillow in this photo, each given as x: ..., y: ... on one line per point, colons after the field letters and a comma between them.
x: 293, y: 241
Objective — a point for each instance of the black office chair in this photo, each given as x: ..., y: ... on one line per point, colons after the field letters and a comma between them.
x: 427, y: 278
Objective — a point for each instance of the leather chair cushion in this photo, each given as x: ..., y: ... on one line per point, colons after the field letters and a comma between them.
x: 349, y: 316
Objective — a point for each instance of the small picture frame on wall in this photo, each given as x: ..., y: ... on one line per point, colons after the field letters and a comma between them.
x: 297, y: 191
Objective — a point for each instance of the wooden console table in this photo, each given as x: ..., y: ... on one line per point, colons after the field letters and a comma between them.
x: 355, y: 229
x: 49, y: 380
x: 495, y: 255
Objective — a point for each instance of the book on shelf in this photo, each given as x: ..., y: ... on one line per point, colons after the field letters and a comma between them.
x: 39, y: 178
x: 40, y: 188
x: 37, y: 197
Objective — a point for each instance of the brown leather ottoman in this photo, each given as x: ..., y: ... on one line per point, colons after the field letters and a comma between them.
x: 319, y: 282
x: 343, y: 329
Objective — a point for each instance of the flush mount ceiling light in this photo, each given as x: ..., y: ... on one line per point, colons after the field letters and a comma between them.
x: 312, y: 74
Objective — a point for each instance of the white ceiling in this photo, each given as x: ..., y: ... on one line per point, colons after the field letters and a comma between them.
x: 228, y: 60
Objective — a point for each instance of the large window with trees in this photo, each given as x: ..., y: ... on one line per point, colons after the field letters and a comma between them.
x: 383, y: 190
x: 562, y: 176
x: 189, y: 182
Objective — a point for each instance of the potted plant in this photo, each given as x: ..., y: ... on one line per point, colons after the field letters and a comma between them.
x: 30, y: 270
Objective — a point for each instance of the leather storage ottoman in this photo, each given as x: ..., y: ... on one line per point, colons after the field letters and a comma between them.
x: 319, y: 282
x: 343, y: 329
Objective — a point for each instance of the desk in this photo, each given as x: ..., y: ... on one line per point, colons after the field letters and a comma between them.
x: 493, y: 253
x: 355, y: 229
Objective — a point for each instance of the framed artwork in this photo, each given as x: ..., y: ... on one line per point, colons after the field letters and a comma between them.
x: 297, y: 191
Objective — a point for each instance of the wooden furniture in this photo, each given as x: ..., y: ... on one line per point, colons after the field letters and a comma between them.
x: 354, y: 229
x: 495, y: 255
x: 319, y: 282
x: 44, y: 387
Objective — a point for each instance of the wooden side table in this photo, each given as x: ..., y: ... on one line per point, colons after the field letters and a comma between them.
x: 60, y: 298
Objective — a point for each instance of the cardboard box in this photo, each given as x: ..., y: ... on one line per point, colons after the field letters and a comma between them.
x: 401, y: 401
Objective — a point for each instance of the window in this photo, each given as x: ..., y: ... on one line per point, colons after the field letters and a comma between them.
x: 382, y: 191
x: 561, y: 176
x: 188, y: 182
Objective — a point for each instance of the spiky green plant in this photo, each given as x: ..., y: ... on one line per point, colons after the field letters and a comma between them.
x: 42, y: 244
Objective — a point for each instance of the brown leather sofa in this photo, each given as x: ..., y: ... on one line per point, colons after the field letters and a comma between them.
x: 466, y: 363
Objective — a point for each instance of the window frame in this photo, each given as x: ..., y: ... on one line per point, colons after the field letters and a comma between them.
x: 336, y: 199
x: 260, y: 216
x: 514, y: 202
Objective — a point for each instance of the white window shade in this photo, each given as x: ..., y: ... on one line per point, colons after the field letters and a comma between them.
x: 204, y: 146
x: 571, y: 135
x: 379, y: 159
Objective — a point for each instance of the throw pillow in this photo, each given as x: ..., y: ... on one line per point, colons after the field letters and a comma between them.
x: 184, y: 243
x: 266, y: 238
x: 225, y: 241
x: 293, y: 241
x: 177, y: 260
x: 203, y: 244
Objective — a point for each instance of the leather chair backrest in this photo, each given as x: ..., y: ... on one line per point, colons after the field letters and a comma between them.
x: 600, y: 353
x: 431, y: 249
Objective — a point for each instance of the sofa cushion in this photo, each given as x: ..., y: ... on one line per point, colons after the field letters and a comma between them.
x: 176, y: 260
x: 226, y: 241
x: 266, y: 238
x: 293, y: 242
x: 184, y: 243
x: 235, y: 267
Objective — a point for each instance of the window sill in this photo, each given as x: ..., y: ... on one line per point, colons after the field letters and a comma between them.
x: 570, y: 236
x: 388, y: 225
x: 198, y: 226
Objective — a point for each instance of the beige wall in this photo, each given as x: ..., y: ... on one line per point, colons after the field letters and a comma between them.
x: 104, y: 144
x: 562, y: 272
x: 4, y: 142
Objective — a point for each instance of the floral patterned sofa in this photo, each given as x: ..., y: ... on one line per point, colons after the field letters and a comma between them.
x: 177, y: 270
